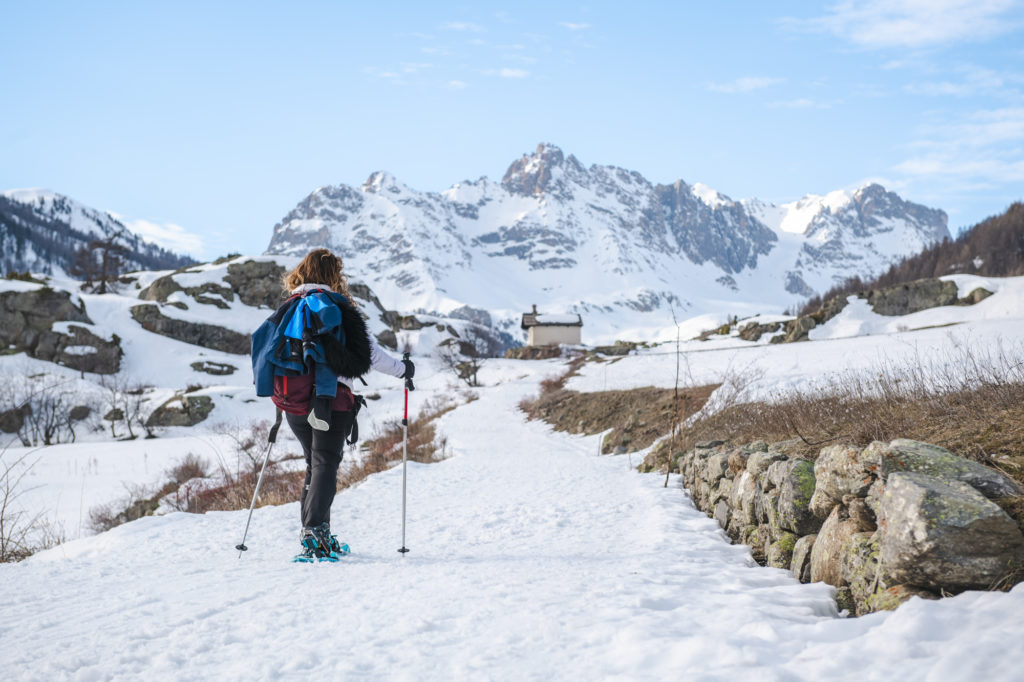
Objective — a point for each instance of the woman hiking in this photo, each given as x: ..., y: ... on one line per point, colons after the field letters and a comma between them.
x: 307, y: 356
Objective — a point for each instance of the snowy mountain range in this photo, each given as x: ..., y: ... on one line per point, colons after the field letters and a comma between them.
x: 41, y: 230
x: 601, y: 241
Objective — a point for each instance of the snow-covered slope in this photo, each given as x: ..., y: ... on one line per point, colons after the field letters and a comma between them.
x: 532, y: 558
x: 601, y: 241
x: 40, y: 231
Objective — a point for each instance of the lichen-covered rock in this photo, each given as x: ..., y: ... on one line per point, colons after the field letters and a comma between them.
x: 839, y: 471
x: 859, y: 513
x: 759, y: 461
x: 889, y: 598
x: 780, y: 552
x: 181, y: 411
x: 828, y: 547
x: 722, y: 491
x: 912, y: 297
x: 858, y: 567
x: 206, y: 335
x: 800, y: 564
x: 914, y: 456
x: 722, y: 514
x: 717, y: 467
x: 874, y: 497
x: 758, y: 540
x: 795, y: 492
x: 738, y: 461
x: 742, y: 498
x: 940, y: 534
x: 844, y: 600
x: 821, y: 505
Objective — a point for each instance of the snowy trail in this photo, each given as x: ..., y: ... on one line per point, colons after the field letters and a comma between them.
x: 532, y: 558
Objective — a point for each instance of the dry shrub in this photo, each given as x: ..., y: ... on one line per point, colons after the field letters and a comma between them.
x: 969, y: 401
x: 22, y: 534
x: 551, y: 386
x: 424, y: 444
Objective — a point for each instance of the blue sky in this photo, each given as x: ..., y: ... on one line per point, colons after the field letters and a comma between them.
x: 208, y: 122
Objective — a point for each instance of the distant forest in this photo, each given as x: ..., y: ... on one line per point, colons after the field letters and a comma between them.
x: 993, y: 248
x: 24, y: 234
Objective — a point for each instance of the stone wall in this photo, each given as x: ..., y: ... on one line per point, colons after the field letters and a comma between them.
x: 881, y: 524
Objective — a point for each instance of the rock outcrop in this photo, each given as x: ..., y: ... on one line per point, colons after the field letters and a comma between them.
x: 197, y: 333
x: 882, y: 524
x: 26, y: 325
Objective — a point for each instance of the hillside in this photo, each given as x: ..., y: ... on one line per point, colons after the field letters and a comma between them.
x: 41, y: 231
x: 992, y: 248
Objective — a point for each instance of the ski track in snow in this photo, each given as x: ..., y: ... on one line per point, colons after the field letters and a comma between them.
x: 532, y: 558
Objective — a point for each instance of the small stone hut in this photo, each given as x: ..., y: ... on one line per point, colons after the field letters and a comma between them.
x: 551, y: 329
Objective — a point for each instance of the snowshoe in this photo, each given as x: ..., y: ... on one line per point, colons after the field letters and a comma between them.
x: 320, y: 545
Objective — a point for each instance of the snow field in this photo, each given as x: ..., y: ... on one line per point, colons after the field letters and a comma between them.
x: 532, y: 558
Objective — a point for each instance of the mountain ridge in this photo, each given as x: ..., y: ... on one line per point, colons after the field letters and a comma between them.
x: 602, y: 241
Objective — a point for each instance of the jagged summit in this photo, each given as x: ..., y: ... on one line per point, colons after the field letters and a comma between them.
x: 601, y: 241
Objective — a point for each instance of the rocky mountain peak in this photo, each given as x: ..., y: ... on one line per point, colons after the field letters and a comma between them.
x: 380, y: 182
x: 533, y: 174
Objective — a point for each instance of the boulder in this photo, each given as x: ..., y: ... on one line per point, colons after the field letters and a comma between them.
x: 945, y: 535
x: 839, y: 471
x: 722, y: 514
x: 717, y: 467
x: 913, y: 456
x: 828, y: 547
x: 800, y: 563
x: 214, y: 368
x: 795, y: 492
x: 259, y: 283
x: 976, y: 296
x: 206, y: 335
x: 26, y: 325
x: 181, y: 411
x: 912, y: 297
x: 759, y: 461
x: 821, y: 505
x: 780, y: 552
x: 858, y: 567
x: 742, y: 498
x: 722, y: 492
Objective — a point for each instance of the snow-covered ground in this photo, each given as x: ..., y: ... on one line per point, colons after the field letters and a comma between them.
x: 532, y: 558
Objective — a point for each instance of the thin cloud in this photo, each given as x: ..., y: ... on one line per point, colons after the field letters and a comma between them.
x: 514, y: 73
x: 800, y: 103
x: 745, y: 84
x: 986, y: 147
x: 168, y: 235
x: 463, y: 26
x: 574, y: 27
x: 456, y: 85
x: 973, y: 81
x: 877, y: 24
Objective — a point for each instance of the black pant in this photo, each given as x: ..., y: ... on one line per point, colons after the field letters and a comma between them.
x: 323, y: 451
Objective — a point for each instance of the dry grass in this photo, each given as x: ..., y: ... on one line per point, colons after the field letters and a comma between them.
x: 424, y: 444
x: 969, y: 401
x: 192, y: 485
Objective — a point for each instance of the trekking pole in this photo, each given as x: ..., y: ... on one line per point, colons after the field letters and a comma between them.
x: 405, y: 445
x: 270, y: 444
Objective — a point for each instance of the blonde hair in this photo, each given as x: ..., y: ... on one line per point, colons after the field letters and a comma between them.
x: 320, y: 266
